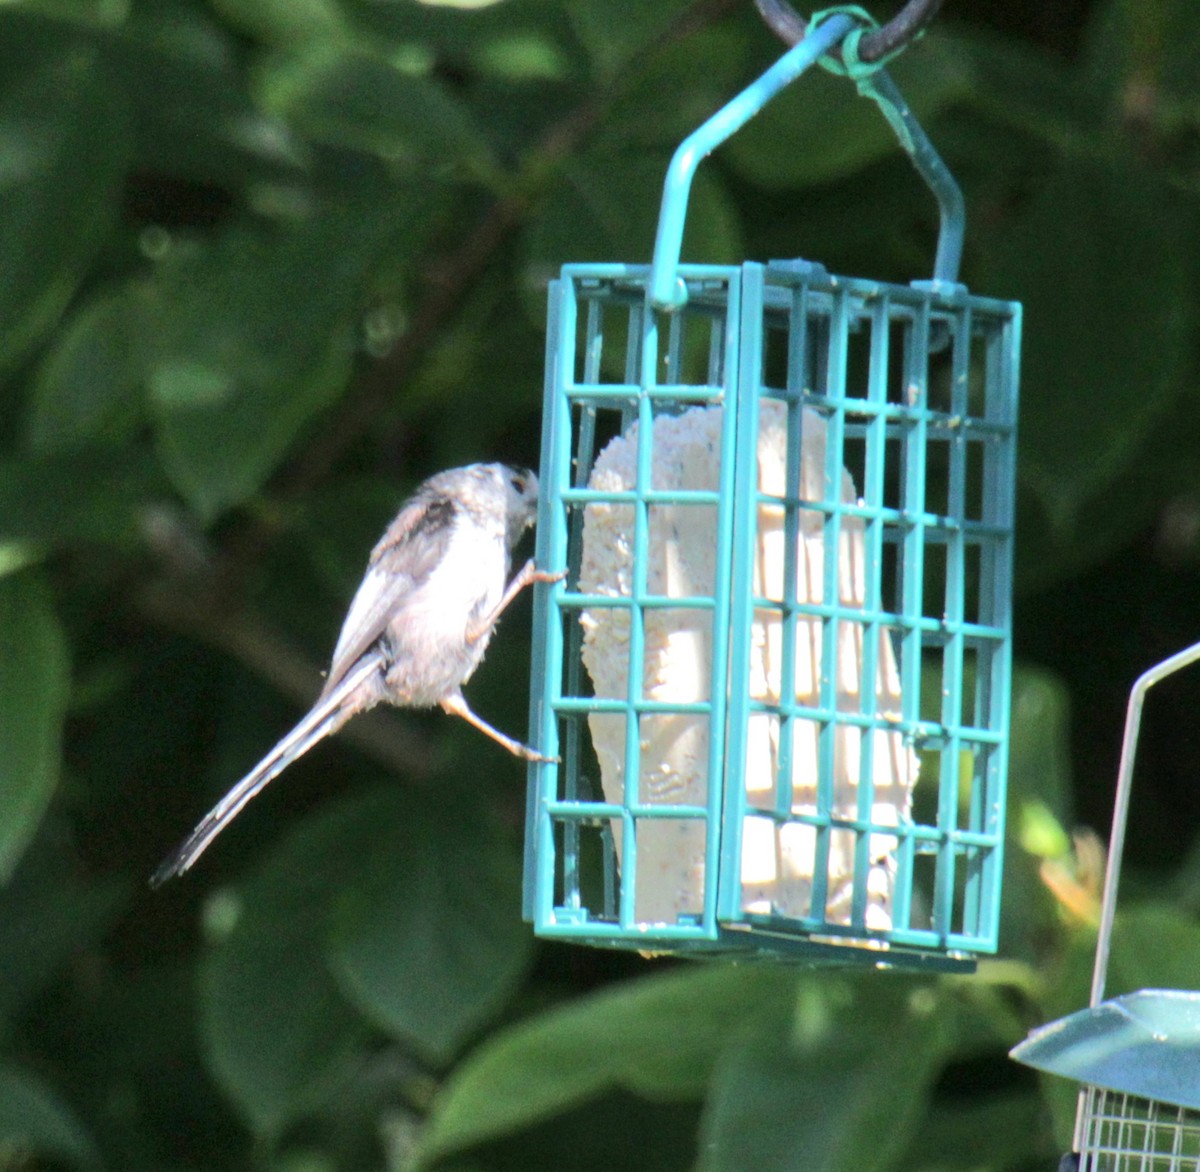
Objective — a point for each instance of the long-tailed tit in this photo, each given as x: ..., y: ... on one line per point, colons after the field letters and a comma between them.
x: 418, y: 626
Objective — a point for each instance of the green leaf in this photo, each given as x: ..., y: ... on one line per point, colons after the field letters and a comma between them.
x: 88, y: 388
x: 34, y: 686
x: 286, y: 22
x: 430, y: 944
x: 181, y: 80
x: 35, y: 1122
x: 1095, y: 260
x: 520, y: 56
x: 65, y: 143
x: 701, y: 71
x: 277, y: 1033
x: 1039, y: 751
x: 187, y: 83
x: 613, y: 31
x: 605, y: 208
x: 47, y: 915
x: 983, y: 1130
x: 246, y: 348
x: 1056, y: 548
x: 986, y: 1013
x: 659, y: 1037
x: 819, y: 128
x: 97, y: 13
x: 1145, y: 53
x: 846, y: 1086
x: 318, y: 932
x: 89, y: 495
x: 1154, y: 946
x: 353, y: 99
x: 1025, y: 87
x: 515, y: 42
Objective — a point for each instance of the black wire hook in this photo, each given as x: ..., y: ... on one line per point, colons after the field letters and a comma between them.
x: 787, y: 24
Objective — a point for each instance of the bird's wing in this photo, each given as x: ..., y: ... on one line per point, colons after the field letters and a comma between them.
x: 413, y: 546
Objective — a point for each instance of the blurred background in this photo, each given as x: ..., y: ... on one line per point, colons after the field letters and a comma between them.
x: 266, y: 264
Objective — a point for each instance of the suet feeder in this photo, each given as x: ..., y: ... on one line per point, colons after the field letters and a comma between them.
x: 777, y: 672
x: 1137, y: 1056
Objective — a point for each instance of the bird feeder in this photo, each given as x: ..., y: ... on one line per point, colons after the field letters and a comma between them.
x: 776, y: 675
x: 1138, y: 1055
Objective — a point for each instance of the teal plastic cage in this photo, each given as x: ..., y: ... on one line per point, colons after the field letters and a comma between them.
x: 777, y: 672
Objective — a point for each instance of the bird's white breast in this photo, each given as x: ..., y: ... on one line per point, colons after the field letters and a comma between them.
x: 429, y: 636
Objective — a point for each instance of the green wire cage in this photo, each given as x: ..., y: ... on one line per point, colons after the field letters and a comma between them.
x: 776, y: 675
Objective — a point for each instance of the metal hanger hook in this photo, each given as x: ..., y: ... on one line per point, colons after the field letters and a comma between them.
x: 787, y: 24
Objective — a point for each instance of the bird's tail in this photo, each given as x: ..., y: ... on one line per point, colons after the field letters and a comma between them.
x: 352, y: 695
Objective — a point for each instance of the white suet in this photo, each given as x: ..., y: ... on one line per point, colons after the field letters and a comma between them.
x: 777, y: 861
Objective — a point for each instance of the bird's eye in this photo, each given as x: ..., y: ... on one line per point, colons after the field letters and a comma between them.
x: 518, y: 484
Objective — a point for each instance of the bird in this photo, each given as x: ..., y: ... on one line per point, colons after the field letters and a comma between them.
x: 417, y: 628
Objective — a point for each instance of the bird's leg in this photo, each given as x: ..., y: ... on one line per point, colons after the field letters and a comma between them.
x: 528, y: 574
x: 455, y: 705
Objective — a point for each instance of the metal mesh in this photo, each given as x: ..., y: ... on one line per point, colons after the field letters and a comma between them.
x: 1125, y: 1133
x: 778, y: 672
